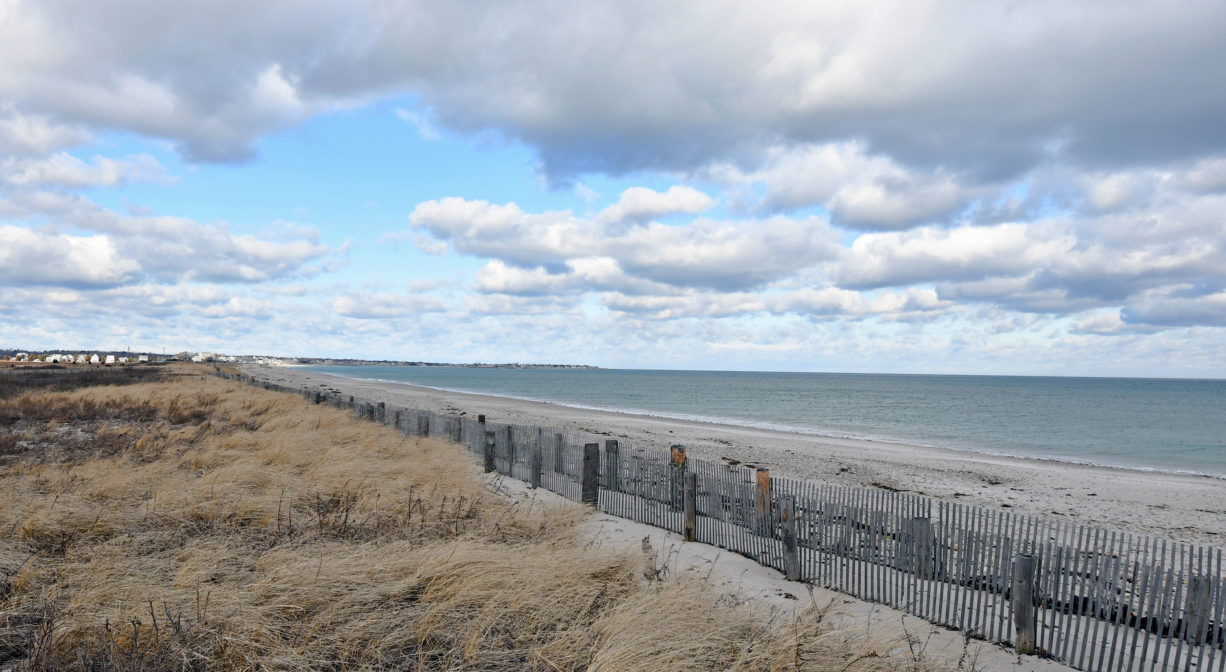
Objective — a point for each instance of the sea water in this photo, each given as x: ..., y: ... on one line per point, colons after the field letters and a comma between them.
x: 1175, y: 425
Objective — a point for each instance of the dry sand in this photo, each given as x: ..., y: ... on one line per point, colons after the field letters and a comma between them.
x: 1184, y: 508
x: 1179, y: 507
x: 668, y: 556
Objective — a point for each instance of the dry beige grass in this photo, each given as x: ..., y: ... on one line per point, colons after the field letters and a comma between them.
x: 199, y: 524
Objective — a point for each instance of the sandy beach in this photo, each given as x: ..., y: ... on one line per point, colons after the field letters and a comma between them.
x: 1183, y: 508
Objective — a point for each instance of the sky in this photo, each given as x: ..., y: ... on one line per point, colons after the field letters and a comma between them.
x: 1000, y: 187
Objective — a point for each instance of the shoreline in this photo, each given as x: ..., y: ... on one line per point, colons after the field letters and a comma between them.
x: 1182, y: 507
x: 782, y: 429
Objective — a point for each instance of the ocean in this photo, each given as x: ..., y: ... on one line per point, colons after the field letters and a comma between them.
x: 1172, y: 425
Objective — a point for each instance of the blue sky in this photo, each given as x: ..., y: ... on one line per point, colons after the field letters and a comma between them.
x: 1033, y: 188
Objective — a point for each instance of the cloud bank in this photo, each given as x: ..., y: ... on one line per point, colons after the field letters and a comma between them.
x: 1039, y: 176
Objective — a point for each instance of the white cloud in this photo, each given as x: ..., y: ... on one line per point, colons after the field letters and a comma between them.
x: 503, y: 231
x: 860, y: 190
x: 640, y: 86
x: 497, y: 277
x: 30, y: 257
x: 171, y: 249
x: 585, y: 193
x: 1121, y: 190
x: 31, y: 135
x: 65, y: 170
x: 1207, y: 176
x: 424, y: 128
x: 640, y: 203
x: 932, y: 254
x: 385, y: 305
x: 704, y: 253
x: 1178, y: 311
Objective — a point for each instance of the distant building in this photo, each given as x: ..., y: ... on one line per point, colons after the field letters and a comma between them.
x: 22, y: 356
x: 82, y: 359
x: 143, y: 359
x: 93, y: 359
x: 110, y: 359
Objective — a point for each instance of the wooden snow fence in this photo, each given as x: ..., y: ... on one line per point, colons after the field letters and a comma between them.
x: 1089, y: 598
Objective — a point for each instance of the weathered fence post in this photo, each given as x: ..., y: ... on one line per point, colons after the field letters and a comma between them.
x: 691, y: 506
x: 1023, y: 603
x: 488, y: 442
x: 676, y: 478
x: 382, y: 413
x: 923, y: 540
x: 791, y: 549
x: 762, y: 503
x: 535, y: 467
x: 559, y: 453
x: 591, y: 473
x: 457, y: 430
x: 477, y: 439
x: 612, y: 476
x: 1198, y: 609
x: 510, y: 442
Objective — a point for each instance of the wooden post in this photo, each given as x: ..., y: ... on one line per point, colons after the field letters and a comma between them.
x: 535, y: 468
x: 396, y: 420
x: 791, y: 550
x: 559, y: 453
x: 591, y: 473
x: 922, y: 541
x: 676, y: 478
x: 1023, y: 603
x: 479, y: 439
x: 691, y: 506
x: 489, y: 451
x: 509, y: 439
x: 612, y: 477
x: 762, y: 503
x: 457, y: 430
x: 1198, y: 608
x: 540, y: 448
x: 382, y: 413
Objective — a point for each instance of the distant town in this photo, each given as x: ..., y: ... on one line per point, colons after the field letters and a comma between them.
x: 14, y: 357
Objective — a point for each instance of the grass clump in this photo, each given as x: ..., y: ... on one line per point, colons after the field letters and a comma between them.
x: 191, y: 523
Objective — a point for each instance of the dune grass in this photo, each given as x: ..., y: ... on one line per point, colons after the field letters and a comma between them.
x: 191, y: 523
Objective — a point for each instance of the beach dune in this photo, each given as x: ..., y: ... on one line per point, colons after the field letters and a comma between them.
x: 1184, y: 508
